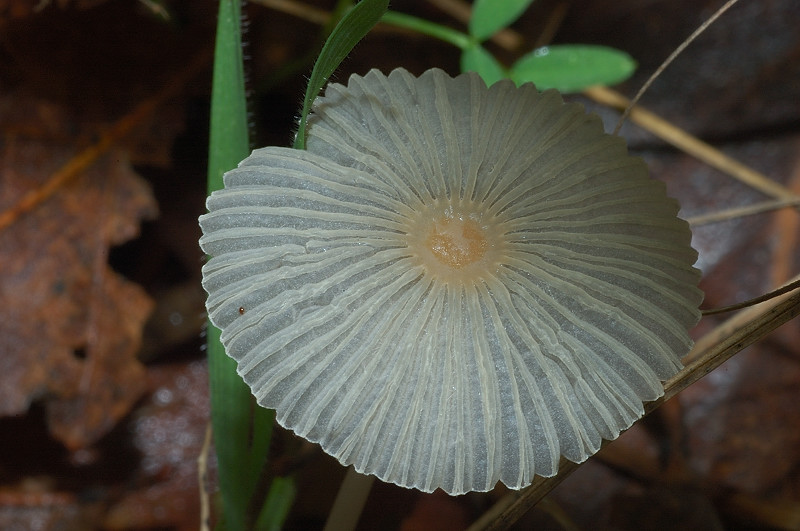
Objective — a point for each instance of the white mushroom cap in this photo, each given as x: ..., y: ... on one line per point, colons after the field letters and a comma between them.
x: 454, y: 285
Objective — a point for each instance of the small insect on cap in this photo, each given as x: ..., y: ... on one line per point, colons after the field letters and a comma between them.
x: 454, y: 285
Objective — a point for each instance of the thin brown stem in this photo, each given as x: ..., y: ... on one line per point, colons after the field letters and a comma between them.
x: 756, y: 300
x: 671, y: 58
x: 742, y: 211
x: 691, y: 144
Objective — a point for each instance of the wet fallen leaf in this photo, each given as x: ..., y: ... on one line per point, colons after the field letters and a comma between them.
x: 70, y: 326
x: 168, y: 430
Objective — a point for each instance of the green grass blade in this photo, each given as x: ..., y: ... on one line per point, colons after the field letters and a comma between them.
x: 229, y: 136
x: 490, y: 16
x: 573, y: 67
x: 351, y: 29
x: 477, y: 59
x: 276, y: 507
x: 231, y: 416
x: 242, y: 429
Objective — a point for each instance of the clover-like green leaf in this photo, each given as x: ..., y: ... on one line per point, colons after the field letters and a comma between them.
x: 477, y: 59
x: 490, y: 16
x: 572, y: 67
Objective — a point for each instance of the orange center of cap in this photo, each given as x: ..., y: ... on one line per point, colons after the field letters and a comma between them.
x: 457, y: 242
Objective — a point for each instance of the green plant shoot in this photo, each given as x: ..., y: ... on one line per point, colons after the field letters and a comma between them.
x: 242, y: 429
x: 355, y: 24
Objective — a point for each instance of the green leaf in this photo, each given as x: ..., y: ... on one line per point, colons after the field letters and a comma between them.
x: 242, y: 429
x: 490, y: 16
x: 573, y: 67
x: 351, y: 29
x: 276, y: 507
x: 477, y: 59
x: 232, y: 416
x: 229, y: 141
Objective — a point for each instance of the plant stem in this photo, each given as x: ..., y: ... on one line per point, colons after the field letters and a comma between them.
x: 448, y: 35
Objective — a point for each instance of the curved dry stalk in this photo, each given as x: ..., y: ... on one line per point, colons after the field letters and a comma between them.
x: 691, y: 144
x: 710, y: 20
x: 740, y: 212
x: 791, y: 286
x: 736, y: 323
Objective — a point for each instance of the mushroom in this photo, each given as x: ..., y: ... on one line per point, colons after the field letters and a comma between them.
x: 453, y: 285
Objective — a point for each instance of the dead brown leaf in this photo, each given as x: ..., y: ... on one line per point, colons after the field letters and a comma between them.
x: 168, y: 429
x: 71, y: 326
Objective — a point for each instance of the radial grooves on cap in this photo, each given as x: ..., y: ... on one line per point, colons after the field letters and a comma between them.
x: 423, y: 382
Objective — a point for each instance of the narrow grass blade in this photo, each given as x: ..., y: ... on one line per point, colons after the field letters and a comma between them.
x: 242, y: 430
x: 351, y: 29
x: 276, y: 506
x: 229, y: 136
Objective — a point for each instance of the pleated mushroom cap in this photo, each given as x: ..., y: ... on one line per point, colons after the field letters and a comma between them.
x: 454, y: 285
